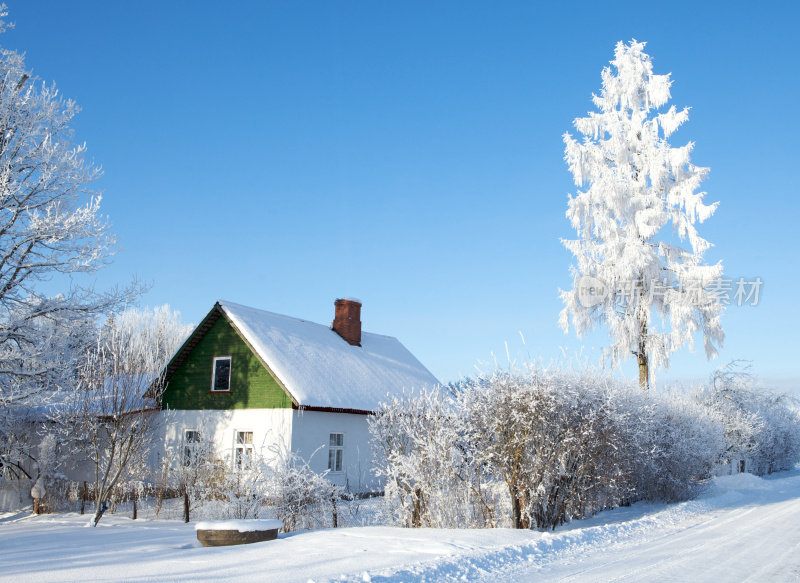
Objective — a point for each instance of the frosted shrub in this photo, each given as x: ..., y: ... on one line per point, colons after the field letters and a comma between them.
x: 300, y: 497
x: 202, y: 479
x: 676, y: 444
x: 552, y: 438
x: 244, y: 491
x: 433, y: 477
x: 535, y: 449
x: 762, y: 428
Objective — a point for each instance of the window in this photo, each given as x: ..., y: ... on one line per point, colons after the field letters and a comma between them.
x: 221, y: 378
x: 191, y: 441
x: 335, y: 449
x: 243, y: 449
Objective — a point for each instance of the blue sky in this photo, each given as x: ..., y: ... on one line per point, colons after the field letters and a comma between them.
x: 283, y: 154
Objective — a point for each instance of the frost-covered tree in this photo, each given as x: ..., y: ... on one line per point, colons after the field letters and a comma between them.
x: 161, y: 329
x: 42, y: 367
x: 639, y: 256
x: 50, y: 226
x: 111, y: 415
x: 111, y: 421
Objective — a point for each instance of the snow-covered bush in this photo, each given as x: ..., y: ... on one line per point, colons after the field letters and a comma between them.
x: 433, y: 477
x: 194, y: 472
x: 299, y: 497
x: 280, y: 485
x: 534, y: 449
x: 424, y: 452
x: 675, y: 443
x: 762, y: 428
x: 553, y: 438
x: 243, y: 490
x: 508, y: 449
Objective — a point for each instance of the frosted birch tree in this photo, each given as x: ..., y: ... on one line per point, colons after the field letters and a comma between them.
x: 640, y: 268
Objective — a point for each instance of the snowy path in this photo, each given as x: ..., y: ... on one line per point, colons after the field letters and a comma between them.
x: 756, y: 541
x: 744, y: 529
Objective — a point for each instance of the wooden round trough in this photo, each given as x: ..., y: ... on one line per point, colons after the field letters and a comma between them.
x: 236, y: 532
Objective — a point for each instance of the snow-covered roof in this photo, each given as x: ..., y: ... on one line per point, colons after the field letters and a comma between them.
x: 320, y: 369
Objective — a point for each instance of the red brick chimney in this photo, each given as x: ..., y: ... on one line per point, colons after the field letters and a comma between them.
x: 347, y: 320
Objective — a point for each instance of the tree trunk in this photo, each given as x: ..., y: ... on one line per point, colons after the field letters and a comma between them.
x: 516, y: 508
x: 644, y: 372
x: 101, y: 508
x: 134, y: 504
x: 335, y: 512
x: 416, y: 511
x: 524, y: 517
x: 83, y: 499
x: 160, y: 493
x: 644, y: 369
x: 186, y: 505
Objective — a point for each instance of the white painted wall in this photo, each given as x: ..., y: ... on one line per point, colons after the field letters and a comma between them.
x: 272, y: 429
x: 311, y: 433
x: 307, y: 433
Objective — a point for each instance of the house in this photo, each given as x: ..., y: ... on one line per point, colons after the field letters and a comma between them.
x: 255, y: 381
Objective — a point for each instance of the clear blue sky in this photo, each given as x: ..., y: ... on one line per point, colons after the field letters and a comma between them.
x: 283, y: 154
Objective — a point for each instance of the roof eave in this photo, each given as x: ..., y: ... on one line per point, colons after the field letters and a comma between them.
x: 332, y: 410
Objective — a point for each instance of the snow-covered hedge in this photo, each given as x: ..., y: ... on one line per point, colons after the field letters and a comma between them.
x: 538, y: 448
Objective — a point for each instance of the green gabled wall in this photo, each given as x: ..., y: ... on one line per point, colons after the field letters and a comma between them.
x: 252, y: 386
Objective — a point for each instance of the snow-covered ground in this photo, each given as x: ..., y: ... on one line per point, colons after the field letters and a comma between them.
x: 743, y: 529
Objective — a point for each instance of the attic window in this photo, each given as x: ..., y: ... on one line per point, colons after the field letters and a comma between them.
x: 221, y: 378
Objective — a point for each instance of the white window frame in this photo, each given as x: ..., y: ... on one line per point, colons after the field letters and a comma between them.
x: 247, y: 448
x: 214, y: 374
x: 188, y: 445
x: 336, y: 453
